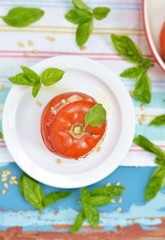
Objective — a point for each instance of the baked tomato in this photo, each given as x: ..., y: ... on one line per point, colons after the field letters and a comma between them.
x: 162, y: 41
x: 63, y: 128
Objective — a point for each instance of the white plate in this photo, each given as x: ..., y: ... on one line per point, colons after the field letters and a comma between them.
x: 154, y: 16
x: 21, y: 124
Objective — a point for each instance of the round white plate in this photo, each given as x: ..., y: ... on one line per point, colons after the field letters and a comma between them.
x: 21, y: 124
x: 154, y: 16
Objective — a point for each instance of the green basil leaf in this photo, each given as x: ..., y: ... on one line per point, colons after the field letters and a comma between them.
x: 32, y: 191
x: 127, y: 48
x: 156, y: 182
x: 85, y: 194
x: 83, y: 32
x: 20, y: 184
x: 36, y: 89
x: 1, y: 135
x: 160, y: 161
x: 142, y: 90
x: 78, y: 222
x: 78, y: 16
x: 21, y: 79
x: 92, y: 215
x: 99, y: 200
x: 51, y: 76
x: 100, y: 12
x: 144, y: 143
x: 95, y: 116
x: 109, y: 191
x: 146, y: 63
x: 158, y: 121
x: 30, y: 74
x: 54, y: 197
x: 22, y: 17
x: 132, y: 72
x: 79, y: 4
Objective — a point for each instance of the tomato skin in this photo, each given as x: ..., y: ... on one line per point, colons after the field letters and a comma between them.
x: 64, y: 142
x: 58, y: 129
x: 162, y: 41
x: 48, y: 116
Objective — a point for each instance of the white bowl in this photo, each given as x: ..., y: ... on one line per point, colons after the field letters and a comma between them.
x: 154, y: 16
x: 21, y: 124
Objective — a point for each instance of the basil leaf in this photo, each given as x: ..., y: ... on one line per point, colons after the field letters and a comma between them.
x: 142, y: 90
x: 100, y: 12
x: 79, y: 4
x: 20, y: 184
x: 32, y: 191
x: 160, y: 161
x: 21, y: 79
x: 83, y: 32
x: 1, y: 135
x: 149, y: 146
x: 127, y: 48
x: 156, y: 182
x: 30, y: 74
x: 85, y: 194
x: 92, y: 215
x: 158, y: 121
x: 51, y: 76
x: 99, y: 200
x: 109, y: 191
x: 78, y: 222
x: 146, y: 64
x: 22, y: 17
x: 132, y: 72
x: 78, y: 16
x: 95, y: 116
x: 36, y: 89
x: 54, y: 197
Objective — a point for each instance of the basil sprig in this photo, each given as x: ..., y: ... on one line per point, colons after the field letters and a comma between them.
x: 33, y: 193
x: 158, y: 121
x: 157, y: 179
x: 1, y: 135
x: 83, y: 16
x: 90, y: 200
x: 29, y: 78
x: 22, y: 16
x: 131, y: 52
x: 95, y: 116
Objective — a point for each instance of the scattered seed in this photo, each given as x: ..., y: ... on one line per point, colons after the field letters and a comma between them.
x: 6, y: 172
x: 2, y: 86
x: 58, y: 161
x: 63, y: 101
x: 118, y: 184
x: 26, y: 53
x: 83, y: 48
x: 131, y: 93
x: 21, y: 44
x: 39, y: 104
x: 13, y: 177
x: 3, y: 179
x: 50, y: 39
x: 113, y: 201
x: 15, y: 182
x: 3, y: 192
x: 120, y: 200
x: 144, y: 117
x: 11, y: 182
x: 6, y: 185
x: 30, y: 43
x: 141, y: 121
x: 108, y: 184
x: 53, y: 110
x: 98, y: 149
x: 36, y: 51
x: 142, y: 107
x: 119, y: 209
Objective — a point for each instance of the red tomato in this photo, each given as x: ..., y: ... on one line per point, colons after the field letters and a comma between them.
x: 63, y: 132
x: 162, y: 41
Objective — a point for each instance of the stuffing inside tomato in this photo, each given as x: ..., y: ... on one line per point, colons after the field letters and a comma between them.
x: 63, y: 127
x: 162, y: 41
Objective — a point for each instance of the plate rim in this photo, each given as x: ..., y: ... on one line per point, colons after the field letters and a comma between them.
x: 106, y: 172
